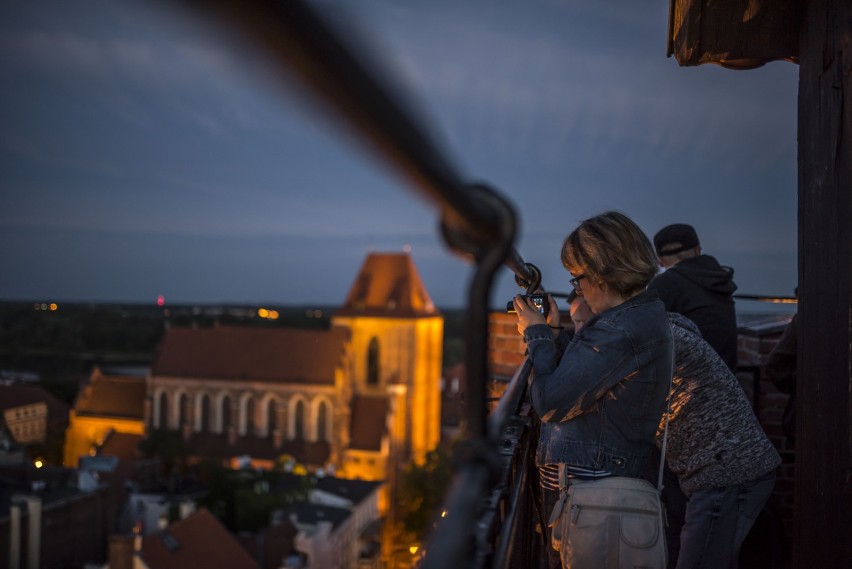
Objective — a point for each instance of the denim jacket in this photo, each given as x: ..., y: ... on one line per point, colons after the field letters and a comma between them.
x: 600, y: 403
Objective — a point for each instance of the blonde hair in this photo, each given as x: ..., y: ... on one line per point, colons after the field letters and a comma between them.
x: 611, y: 249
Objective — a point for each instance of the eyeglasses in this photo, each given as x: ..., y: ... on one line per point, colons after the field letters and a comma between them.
x: 575, y: 282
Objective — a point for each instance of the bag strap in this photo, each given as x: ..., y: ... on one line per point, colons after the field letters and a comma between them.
x: 666, y: 424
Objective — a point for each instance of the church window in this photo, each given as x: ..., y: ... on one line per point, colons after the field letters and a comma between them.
x: 205, y: 413
x: 373, y: 362
x: 300, y: 420
x: 322, y: 421
x: 271, y: 419
x: 250, y: 417
x: 163, y: 417
x: 183, y: 404
x: 226, y: 414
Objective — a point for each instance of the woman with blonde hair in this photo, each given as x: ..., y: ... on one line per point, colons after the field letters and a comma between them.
x: 600, y: 397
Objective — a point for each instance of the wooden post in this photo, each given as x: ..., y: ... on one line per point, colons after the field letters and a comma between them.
x: 823, y: 494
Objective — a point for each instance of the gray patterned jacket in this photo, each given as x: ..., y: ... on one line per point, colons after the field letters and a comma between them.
x: 714, y: 438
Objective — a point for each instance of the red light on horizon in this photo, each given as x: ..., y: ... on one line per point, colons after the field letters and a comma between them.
x: 161, y: 300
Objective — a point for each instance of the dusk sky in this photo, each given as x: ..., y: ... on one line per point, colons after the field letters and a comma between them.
x: 143, y: 154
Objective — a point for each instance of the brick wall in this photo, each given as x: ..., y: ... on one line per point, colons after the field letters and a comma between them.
x: 755, y: 342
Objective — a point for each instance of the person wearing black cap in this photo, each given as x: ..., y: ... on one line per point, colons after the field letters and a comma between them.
x: 697, y: 286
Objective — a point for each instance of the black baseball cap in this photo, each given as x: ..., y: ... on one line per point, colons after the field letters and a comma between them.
x: 676, y: 233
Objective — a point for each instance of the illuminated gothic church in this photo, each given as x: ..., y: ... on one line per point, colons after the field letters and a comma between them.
x: 351, y: 398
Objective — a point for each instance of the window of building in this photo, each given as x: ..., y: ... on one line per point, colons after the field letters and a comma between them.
x: 299, y: 420
x: 271, y: 418
x: 226, y: 414
x: 183, y: 406
x: 163, y: 417
x: 205, y: 413
x: 250, y: 416
x: 322, y: 422
x: 373, y: 362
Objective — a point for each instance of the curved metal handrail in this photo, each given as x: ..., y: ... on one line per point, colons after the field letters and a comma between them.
x: 475, y: 221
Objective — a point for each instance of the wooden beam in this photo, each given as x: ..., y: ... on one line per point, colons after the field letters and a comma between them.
x: 823, y: 494
x: 739, y: 34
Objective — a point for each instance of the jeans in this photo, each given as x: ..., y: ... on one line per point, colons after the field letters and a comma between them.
x: 718, y: 521
x: 675, y: 502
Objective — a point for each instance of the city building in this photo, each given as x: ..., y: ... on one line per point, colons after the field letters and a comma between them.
x: 108, y: 410
x: 28, y: 413
x: 348, y: 400
x: 48, y: 520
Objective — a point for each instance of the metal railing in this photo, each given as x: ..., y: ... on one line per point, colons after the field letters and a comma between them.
x: 489, y: 506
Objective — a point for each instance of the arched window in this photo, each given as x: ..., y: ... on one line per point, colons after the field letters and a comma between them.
x: 250, y: 417
x: 373, y: 362
x: 226, y: 414
x: 322, y: 422
x: 163, y: 417
x: 299, y: 421
x: 182, y: 410
x: 271, y: 418
x: 205, y: 414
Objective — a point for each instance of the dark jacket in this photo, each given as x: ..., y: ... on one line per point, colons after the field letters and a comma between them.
x: 701, y: 289
x: 601, y: 402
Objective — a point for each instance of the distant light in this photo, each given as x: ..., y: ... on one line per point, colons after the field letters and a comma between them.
x: 444, y: 514
x: 53, y: 306
x: 317, y: 313
x: 262, y: 312
x: 43, y: 306
x: 406, y: 248
x: 413, y: 549
x: 273, y: 315
x: 161, y: 300
x: 38, y: 463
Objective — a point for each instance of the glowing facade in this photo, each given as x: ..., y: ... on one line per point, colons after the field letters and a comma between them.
x: 108, y: 404
x: 349, y: 399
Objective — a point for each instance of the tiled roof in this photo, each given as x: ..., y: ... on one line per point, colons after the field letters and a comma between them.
x: 112, y: 396
x: 197, y: 541
x: 388, y: 284
x: 12, y: 396
x: 257, y: 354
x: 369, y: 413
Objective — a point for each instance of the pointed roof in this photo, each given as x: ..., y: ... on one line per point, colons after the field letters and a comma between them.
x: 257, y: 354
x: 388, y: 284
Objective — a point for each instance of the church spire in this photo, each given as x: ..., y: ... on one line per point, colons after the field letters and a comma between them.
x: 388, y: 284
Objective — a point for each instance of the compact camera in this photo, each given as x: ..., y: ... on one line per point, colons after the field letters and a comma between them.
x: 538, y: 300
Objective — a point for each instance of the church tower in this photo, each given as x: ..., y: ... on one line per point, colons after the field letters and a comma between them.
x: 397, y: 338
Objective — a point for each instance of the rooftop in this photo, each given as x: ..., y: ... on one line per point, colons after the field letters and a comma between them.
x: 257, y: 354
x: 388, y: 284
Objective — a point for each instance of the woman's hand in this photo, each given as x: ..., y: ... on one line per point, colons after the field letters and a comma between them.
x: 553, y: 313
x: 528, y: 315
